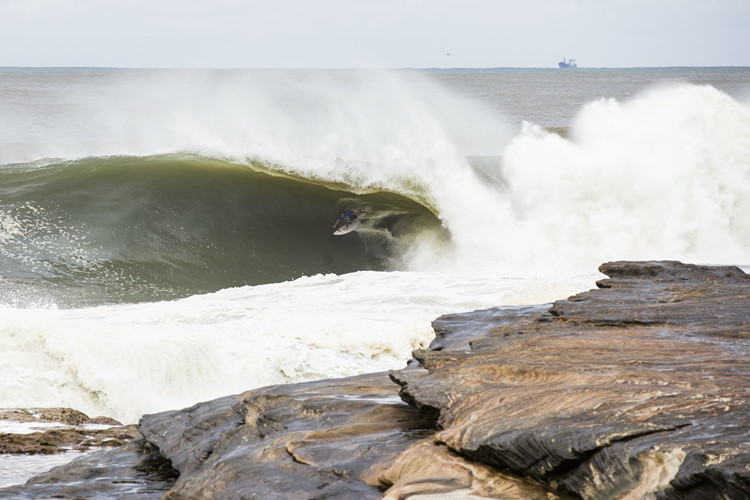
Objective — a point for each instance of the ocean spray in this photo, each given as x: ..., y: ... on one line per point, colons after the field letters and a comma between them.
x: 664, y: 175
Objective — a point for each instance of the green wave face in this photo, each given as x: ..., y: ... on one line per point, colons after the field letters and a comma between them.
x: 115, y: 229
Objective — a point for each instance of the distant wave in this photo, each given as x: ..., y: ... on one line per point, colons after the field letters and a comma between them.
x: 104, y: 229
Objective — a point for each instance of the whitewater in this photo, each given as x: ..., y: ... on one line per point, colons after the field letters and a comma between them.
x: 165, y: 235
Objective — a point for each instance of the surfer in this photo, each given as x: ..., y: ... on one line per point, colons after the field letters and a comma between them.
x: 347, y: 217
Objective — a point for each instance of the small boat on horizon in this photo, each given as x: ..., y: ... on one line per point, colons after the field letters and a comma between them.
x: 570, y: 63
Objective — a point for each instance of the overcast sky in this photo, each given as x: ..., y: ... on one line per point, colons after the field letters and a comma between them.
x: 373, y: 33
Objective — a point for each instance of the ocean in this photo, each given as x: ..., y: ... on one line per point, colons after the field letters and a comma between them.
x: 165, y: 235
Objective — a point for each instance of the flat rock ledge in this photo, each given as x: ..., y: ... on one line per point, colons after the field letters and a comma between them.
x: 637, y: 389
x: 50, y: 431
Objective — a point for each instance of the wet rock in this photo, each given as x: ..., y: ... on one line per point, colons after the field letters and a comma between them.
x: 132, y: 471
x: 344, y: 438
x: 288, y: 441
x: 427, y: 469
x: 128, y: 466
x: 57, y: 430
x: 61, y: 440
x: 638, y: 388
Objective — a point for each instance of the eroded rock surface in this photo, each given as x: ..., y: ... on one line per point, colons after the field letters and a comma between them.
x: 56, y: 430
x: 291, y: 441
x: 134, y: 471
x: 638, y: 388
x: 344, y: 438
x: 113, y: 460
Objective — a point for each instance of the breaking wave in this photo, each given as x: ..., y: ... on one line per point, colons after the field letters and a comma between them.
x: 147, y: 228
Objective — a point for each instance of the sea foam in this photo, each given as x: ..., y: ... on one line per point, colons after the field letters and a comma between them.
x: 126, y: 360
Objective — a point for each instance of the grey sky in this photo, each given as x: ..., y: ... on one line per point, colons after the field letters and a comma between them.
x: 374, y: 33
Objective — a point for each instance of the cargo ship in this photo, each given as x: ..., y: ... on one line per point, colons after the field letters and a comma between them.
x: 570, y: 63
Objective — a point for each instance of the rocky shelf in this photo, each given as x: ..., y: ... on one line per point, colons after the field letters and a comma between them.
x: 636, y: 389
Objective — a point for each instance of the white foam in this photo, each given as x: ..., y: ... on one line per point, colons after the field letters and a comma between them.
x: 127, y: 360
x: 665, y: 175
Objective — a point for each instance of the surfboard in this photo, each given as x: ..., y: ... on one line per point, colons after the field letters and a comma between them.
x: 347, y: 229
